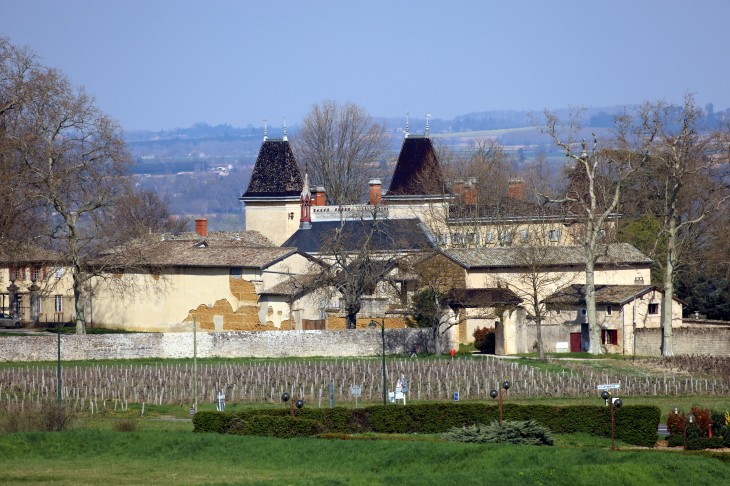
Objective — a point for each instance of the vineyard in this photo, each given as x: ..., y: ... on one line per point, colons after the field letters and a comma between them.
x: 88, y: 388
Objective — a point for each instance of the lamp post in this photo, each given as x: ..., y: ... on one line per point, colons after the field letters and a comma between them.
x: 606, y: 396
x: 690, y: 421
x: 494, y: 394
x: 382, y: 327
x: 299, y: 403
x: 58, y: 329
x: 195, y: 365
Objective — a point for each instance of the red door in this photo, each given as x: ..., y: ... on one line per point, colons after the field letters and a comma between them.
x: 575, y: 342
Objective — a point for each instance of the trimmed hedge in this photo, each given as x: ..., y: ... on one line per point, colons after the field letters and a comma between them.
x: 212, y: 421
x: 705, y: 443
x: 635, y: 424
x: 271, y: 426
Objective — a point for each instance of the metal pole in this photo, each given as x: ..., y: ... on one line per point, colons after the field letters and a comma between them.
x: 58, y: 328
x: 195, y: 365
x: 385, y: 391
x: 500, y: 408
x: 612, y: 444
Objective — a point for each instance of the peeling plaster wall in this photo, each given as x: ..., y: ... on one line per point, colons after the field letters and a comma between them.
x: 219, y: 344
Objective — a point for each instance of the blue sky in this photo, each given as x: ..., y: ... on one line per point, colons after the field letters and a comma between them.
x: 162, y: 64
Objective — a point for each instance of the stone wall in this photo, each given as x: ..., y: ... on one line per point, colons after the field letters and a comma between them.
x: 708, y: 340
x: 219, y: 344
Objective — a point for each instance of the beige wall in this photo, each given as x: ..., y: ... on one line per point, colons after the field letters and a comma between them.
x: 219, y: 302
x: 50, y: 287
x: 275, y: 220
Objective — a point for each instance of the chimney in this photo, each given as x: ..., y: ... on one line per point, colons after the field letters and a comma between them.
x: 515, y: 188
x: 305, y: 221
x: 318, y: 196
x: 638, y: 280
x: 375, y: 193
x: 470, y: 191
x: 459, y: 186
x: 201, y: 226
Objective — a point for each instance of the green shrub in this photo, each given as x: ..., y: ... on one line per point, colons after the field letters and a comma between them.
x: 675, y: 441
x: 705, y: 443
x: 484, y: 339
x: 513, y: 432
x: 635, y: 424
x: 218, y: 422
x: 126, y: 425
x: 271, y: 426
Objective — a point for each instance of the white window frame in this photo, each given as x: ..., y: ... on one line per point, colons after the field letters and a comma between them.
x: 58, y: 272
x: 58, y: 304
x: 489, y: 236
x: 523, y: 235
x: 553, y: 235
x: 506, y: 236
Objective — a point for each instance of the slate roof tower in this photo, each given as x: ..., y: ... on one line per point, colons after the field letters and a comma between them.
x: 272, y: 196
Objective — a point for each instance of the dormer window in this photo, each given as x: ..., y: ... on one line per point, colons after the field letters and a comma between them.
x: 236, y: 273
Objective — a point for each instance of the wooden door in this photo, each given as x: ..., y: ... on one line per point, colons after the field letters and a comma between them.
x: 575, y: 342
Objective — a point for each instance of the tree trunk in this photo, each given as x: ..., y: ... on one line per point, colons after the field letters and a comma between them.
x: 79, y: 303
x: 351, y: 321
x: 541, y: 350
x: 667, y: 349
x: 594, y: 333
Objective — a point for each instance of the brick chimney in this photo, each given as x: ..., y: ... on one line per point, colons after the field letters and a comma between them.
x: 375, y: 191
x: 515, y: 188
x: 201, y: 226
x: 318, y: 196
x: 470, y: 191
x: 459, y: 187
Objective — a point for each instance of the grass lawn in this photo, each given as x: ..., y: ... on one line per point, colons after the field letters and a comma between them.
x: 86, y: 457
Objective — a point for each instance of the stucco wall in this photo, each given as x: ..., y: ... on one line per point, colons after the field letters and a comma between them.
x: 277, y: 220
x: 221, y: 344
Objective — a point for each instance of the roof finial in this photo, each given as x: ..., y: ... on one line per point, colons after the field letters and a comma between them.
x: 285, y: 138
x: 407, y: 124
x: 427, y: 117
x: 265, y: 120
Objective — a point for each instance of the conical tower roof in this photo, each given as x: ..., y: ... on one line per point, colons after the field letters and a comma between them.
x: 417, y: 171
x: 276, y: 174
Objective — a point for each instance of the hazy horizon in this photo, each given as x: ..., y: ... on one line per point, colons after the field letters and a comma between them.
x: 161, y: 64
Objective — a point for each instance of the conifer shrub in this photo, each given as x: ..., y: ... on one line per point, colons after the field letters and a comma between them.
x: 526, y: 432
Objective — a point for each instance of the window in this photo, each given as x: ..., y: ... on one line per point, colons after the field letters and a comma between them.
x: 38, y: 305
x: 59, y: 304
x: 583, y: 312
x: 609, y: 336
x: 523, y: 235
x: 22, y: 273
x: 236, y: 273
x: 489, y: 236
x: 653, y: 309
x: 13, y: 274
x: 505, y: 236
x: 35, y: 273
x: 609, y: 310
x: 472, y: 238
x: 58, y: 273
x: 553, y: 235
x: 443, y: 239
x: 457, y: 238
x: 602, y: 235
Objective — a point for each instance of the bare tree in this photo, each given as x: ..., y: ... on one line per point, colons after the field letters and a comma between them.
x: 689, y: 167
x: 586, y: 197
x: 342, y: 148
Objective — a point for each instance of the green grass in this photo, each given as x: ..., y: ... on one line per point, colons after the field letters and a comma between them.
x: 86, y: 457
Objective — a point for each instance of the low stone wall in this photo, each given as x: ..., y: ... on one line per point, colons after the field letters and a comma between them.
x: 220, y: 344
x: 708, y: 340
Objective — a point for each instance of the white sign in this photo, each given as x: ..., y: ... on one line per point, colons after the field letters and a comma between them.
x: 355, y: 390
x: 612, y: 386
x: 561, y: 347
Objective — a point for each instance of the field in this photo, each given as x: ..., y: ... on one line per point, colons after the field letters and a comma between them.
x: 86, y: 457
x: 165, y: 451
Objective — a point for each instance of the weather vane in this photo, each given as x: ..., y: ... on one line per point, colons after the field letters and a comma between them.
x: 407, y: 124
x: 285, y: 127
x: 427, y: 117
x: 265, y: 120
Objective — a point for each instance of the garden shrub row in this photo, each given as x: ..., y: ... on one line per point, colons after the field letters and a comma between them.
x: 635, y: 424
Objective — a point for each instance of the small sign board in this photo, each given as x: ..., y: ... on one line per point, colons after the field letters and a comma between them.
x: 561, y: 347
x: 192, y: 410
x: 355, y: 390
x: 456, y: 396
x: 404, y: 384
x: 610, y: 386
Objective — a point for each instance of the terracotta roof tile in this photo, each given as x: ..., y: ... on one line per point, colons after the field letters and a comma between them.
x: 575, y: 295
x: 477, y: 297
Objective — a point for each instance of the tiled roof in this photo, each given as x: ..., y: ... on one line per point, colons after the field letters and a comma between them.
x: 293, y: 286
x: 605, y: 294
x: 187, y: 254
x: 509, y: 207
x: 480, y: 297
x: 579, y: 188
x: 218, y: 238
x: 276, y: 173
x: 24, y: 253
x: 513, y: 256
x: 417, y: 171
x: 388, y: 235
